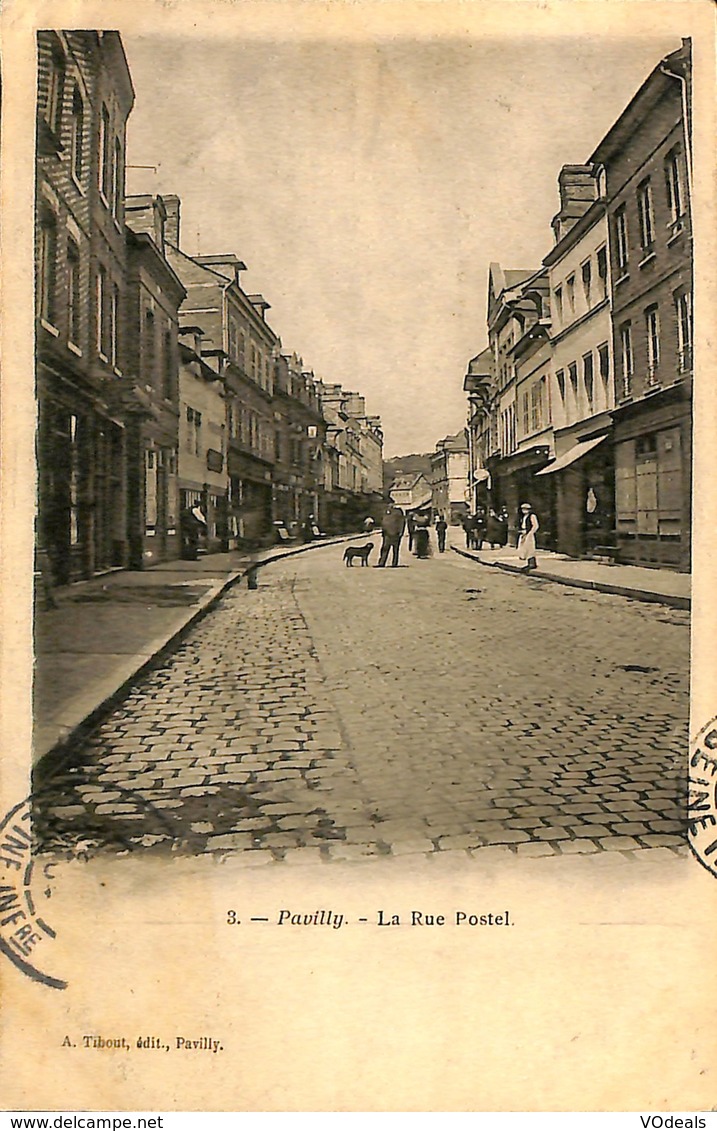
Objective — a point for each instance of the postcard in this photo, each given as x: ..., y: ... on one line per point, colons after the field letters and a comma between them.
x: 358, y: 688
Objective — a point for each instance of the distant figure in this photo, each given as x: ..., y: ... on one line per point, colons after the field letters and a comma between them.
x: 392, y: 527
x: 528, y: 528
x: 421, y: 537
x: 441, y: 528
x: 496, y: 531
x: 192, y: 524
x: 479, y: 525
x: 368, y: 524
x: 467, y: 524
x: 411, y: 526
x: 307, y: 530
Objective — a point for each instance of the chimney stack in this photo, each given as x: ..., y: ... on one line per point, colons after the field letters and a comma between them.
x: 171, y: 225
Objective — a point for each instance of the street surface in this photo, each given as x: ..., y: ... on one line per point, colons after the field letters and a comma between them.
x: 336, y: 714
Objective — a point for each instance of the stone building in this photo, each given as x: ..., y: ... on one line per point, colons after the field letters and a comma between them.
x: 202, y: 470
x: 151, y: 386
x: 449, y: 476
x: 299, y: 446
x: 354, y: 443
x: 85, y: 96
x: 239, y: 337
x: 644, y: 167
x: 581, y: 390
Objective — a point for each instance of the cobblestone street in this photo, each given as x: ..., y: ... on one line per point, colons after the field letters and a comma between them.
x: 336, y: 714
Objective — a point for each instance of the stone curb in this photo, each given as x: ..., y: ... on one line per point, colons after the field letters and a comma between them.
x: 83, y: 719
x: 675, y: 601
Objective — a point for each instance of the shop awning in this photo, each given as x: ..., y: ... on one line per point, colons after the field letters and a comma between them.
x: 576, y: 452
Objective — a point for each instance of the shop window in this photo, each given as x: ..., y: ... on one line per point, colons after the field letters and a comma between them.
x: 150, y: 491
x: 646, y: 446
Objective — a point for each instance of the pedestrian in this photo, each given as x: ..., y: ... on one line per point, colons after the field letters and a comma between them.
x: 494, y: 530
x: 441, y: 528
x: 504, y: 520
x: 421, y: 537
x: 411, y: 526
x: 467, y: 524
x: 528, y: 528
x: 392, y: 527
x: 368, y: 524
x: 479, y: 525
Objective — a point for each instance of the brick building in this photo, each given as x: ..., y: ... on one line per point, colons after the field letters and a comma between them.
x: 85, y: 96
x: 645, y: 171
x: 151, y: 393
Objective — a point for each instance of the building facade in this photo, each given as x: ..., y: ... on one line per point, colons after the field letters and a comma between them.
x: 299, y: 474
x: 644, y: 162
x: 449, y: 474
x: 581, y: 371
x: 85, y: 96
x: 151, y: 387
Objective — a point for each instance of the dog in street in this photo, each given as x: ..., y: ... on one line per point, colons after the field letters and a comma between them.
x: 361, y: 552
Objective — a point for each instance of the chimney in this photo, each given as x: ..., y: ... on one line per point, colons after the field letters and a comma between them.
x: 259, y: 303
x: 578, y: 190
x: 227, y: 265
x: 171, y: 227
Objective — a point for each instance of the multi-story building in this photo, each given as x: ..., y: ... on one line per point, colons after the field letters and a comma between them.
x: 355, y: 457
x: 479, y: 384
x: 449, y: 474
x: 299, y: 445
x: 237, y: 333
x: 644, y: 167
x: 202, y: 470
x: 151, y: 386
x: 515, y: 307
x: 85, y: 96
x: 581, y: 393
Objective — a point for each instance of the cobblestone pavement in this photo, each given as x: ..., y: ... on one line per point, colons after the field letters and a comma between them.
x: 337, y: 714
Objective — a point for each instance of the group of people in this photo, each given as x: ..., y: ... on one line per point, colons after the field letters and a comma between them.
x: 491, y: 527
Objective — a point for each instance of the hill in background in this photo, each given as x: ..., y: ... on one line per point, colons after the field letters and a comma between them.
x: 406, y: 465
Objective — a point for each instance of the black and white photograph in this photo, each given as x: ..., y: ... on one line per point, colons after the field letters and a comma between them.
x: 354, y: 466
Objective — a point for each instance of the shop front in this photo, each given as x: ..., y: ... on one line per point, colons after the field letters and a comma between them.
x: 515, y: 480
x: 583, y: 478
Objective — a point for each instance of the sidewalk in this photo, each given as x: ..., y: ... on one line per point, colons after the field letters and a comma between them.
x: 105, y: 631
x: 663, y: 586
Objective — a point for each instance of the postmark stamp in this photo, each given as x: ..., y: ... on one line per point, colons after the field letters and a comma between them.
x: 702, y: 797
x: 26, y: 938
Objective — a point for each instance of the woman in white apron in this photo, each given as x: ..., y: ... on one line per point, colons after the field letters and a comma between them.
x: 529, y: 527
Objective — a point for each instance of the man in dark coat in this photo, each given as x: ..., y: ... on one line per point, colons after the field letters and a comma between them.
x: 392, y: 527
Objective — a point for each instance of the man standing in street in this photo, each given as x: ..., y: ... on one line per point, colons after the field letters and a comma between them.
x: 392, y: 527
x: 441, y: 528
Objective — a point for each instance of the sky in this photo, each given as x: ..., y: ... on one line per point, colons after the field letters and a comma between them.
x: 368, y: 185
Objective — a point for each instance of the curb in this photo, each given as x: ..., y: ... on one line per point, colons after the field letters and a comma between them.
x: 675, y: 601
x: 153, y: 653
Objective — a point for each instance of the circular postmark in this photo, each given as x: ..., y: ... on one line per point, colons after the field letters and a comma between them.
x: 702, y: 797
x: 25, y: 884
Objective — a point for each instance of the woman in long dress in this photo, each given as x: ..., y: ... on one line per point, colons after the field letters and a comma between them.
x: 529, y: 527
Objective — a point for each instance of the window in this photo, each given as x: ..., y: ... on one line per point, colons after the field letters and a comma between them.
x: 646, y: 216
x: 626, y: 358
x: 197, y: 430
x: 168, y: 389
x: 241, y: 356
x: 604, y: 368
x: 114, y: 326
x: 194, y: 422
x: 55, y: 90
x: 105, y: 155
x: 233, y: 339
x: 78, y: 131
x: 588, y: 380
x: 586, y: 273
x: 560, y: 375
x: 621, y: 246
x: 47, y: 268
x: 558, y: 292
x: 684, y: 330
x: 570, y: 284
x: 652, y: 327
x: 117, y: 180
x: 73, y: 293
x: 673, y: 181
x: 573, y: 374
x: 525, y: 412
x: 602, y: 271
x: 103, y: 346
x: 150, y: 494
x: 536, y: 405
x: 149, y: 347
